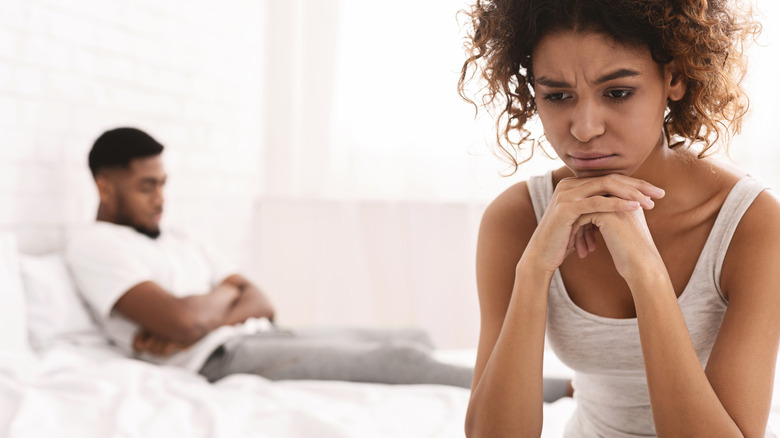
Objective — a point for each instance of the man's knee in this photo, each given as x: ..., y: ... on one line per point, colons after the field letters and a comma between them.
x: 417, y: 335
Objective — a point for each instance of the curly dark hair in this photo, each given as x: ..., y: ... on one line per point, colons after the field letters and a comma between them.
x: 705, y: 38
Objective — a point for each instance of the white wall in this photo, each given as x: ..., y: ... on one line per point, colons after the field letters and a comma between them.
x: 757, y: 149
x: 385, y: 263
x: 188, y: 72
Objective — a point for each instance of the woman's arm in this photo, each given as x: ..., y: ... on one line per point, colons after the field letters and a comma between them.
x: 741, y: 367
x: 732, y: 397
x: 682, y: 400
x: 506, y: 398
x: 515, y: 263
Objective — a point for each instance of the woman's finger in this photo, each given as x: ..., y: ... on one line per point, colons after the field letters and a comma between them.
x: 590, y: 237
x: 604, y: 204
x: 616, y: 180
x: 583, y: 239
x: 582, y: 249
x: 611, y: 186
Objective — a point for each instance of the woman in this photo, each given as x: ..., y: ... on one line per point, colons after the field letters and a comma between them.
x: 648, y: 265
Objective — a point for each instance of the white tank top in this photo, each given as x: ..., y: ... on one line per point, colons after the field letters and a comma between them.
x: 605, y: 353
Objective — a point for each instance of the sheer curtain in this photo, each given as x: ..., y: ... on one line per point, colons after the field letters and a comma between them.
x: 377, y: 172
x: 371, y: 107
x: 757, y: 149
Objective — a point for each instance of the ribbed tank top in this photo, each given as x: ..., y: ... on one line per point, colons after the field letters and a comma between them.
x: 605, y: 353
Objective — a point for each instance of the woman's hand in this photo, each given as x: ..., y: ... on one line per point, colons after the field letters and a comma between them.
x: 576, y: 206
x: 628, y: 240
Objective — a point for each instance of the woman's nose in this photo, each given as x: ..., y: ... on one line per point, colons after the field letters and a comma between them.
x: 587, y: 122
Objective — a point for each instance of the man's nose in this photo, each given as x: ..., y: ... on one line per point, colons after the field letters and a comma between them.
x: 159, y: 197
x: 587, y: 122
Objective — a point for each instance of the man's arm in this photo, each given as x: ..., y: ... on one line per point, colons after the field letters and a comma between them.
x: 252, y: 303
x: 182, y: 320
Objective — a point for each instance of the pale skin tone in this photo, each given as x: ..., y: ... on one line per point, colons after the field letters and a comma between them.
x: 626, y: 224
x: 134, y: 197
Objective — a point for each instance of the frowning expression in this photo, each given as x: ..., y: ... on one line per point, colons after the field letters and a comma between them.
x: 601, y: 103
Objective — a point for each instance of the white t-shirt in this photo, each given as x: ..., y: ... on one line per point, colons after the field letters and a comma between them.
x: 107, y: 260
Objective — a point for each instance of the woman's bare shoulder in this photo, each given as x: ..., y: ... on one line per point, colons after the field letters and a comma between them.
x: 760, y: 224
x: 755, y: 246
x: 507, y: 225
x: 512, y: 210
x: 506, y: 228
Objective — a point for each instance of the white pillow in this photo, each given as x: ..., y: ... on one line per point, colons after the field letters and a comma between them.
x: 55, y: 311
x: 13, y: 324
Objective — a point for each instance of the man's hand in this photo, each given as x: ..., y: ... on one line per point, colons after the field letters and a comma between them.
x: 251, y: 304
x: 147, y: 342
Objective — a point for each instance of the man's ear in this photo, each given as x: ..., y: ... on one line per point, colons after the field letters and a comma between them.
x: 678, y: 83
x: 106, y: 189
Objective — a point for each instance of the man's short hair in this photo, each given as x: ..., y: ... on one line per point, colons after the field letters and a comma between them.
x: 117, y: 147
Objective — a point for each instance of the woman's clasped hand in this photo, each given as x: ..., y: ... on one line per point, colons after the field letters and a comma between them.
x: 611, y: 206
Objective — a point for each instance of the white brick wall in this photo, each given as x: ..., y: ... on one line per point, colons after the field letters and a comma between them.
x: 188, y: 72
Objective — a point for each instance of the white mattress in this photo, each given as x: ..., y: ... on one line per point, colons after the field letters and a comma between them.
x: 71, y: 392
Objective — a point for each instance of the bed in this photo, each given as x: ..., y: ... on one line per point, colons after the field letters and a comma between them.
x: 58, y: 378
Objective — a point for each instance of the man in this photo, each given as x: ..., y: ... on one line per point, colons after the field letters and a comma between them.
x: 167, y: 299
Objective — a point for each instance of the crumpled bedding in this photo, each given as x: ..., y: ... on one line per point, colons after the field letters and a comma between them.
x: 90, y: 392
x: 69, y: 392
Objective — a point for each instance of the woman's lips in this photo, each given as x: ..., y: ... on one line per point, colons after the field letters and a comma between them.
x: 592, y: 161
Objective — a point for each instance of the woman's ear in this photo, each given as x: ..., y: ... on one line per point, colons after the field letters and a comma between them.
x: 677, y: 81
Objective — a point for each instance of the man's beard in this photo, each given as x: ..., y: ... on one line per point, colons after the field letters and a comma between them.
x: 147, y: 232
x: 122, y: 218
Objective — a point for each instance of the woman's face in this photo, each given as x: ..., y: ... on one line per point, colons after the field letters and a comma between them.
x: 601, y: 104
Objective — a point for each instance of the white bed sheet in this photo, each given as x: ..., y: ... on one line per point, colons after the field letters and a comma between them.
x: 75, y: 391
x: 91, y: 393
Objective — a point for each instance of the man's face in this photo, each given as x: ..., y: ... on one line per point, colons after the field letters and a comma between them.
x: 138, y: 195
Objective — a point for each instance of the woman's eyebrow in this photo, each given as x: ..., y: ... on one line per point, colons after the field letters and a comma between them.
x: 617, y: 74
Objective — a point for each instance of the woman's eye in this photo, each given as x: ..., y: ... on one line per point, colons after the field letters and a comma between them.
x: 619, y: 94
x: 555, y: 97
